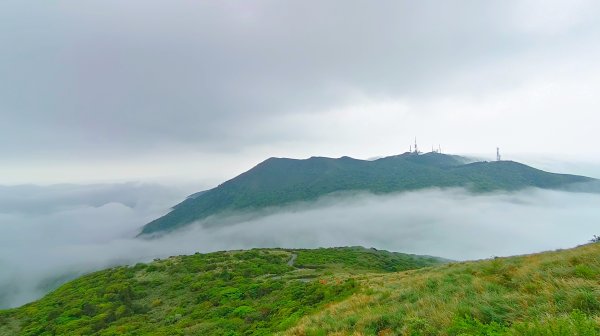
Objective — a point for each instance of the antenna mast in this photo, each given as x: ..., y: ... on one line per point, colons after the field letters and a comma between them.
x: 416, y: 148
x: 498, y: 157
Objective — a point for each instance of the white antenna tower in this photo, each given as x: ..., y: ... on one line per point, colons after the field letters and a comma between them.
x: 498, y: 157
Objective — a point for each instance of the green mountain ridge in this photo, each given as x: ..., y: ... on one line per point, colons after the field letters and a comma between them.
x: 281, y: 181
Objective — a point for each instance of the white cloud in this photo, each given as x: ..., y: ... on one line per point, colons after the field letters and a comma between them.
x: 552, y: 17
x: 37, y: 251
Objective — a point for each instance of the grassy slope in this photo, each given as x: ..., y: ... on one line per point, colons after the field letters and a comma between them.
x: 343, y: 291
x: 276, y: 182
x: 225, y: 293
x: 552, y: 293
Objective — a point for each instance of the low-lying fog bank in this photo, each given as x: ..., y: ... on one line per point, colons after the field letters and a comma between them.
x: 51, y: 235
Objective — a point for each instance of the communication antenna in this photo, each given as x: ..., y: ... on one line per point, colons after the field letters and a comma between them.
x: 416, y: 148
x: 498, y: 157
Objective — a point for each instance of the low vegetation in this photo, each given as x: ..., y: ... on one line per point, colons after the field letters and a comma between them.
x: 554, y: 294
x: 338, y: 291
x: 256, y: 292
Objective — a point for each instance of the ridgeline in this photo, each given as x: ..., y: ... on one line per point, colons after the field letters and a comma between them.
x: 278, y: 181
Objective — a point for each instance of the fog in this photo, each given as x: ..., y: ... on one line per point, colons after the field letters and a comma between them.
x: 59, y: 232
x: 48, y: 233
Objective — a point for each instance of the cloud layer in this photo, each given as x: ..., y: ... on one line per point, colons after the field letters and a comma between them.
x: 40, y: 250
x: 152, y: 88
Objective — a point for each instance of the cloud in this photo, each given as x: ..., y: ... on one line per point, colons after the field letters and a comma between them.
x: 40, y: 250
x: 50, y: 232
x: 113, y: 82
x: 34, y: 200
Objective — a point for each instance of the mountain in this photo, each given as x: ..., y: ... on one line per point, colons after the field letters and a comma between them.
x: 252, y: 292
x: 280, y: 181
x: 341, y: 291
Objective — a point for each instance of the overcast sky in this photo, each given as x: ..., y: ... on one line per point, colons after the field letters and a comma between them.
x: 117, y: 90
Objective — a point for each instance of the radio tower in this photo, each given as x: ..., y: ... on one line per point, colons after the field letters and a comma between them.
x: 416, y: 148
x: 498, y: 157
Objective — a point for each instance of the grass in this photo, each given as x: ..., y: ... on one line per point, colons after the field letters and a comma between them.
x: 251, y: 292
x: 337, y: 291
x: 552, y: 293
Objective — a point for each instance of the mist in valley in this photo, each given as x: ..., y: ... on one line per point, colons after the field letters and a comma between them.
x: 56, y: 233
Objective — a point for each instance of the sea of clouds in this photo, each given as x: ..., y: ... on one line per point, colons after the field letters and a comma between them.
x: 50, y: 234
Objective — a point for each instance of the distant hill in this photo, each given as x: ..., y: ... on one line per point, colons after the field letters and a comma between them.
x: 280, y: 181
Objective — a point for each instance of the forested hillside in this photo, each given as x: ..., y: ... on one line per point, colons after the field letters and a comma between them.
x: 277, y: 182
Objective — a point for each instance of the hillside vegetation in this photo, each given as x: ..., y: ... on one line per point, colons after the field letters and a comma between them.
x: 256, y: 292
x: 278, y: 181
x: 337, y: 291
x: 548, y: 294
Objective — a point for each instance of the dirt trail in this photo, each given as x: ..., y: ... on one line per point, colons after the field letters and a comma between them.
x: 292, y: 259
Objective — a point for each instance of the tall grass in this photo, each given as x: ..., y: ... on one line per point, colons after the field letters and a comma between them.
x: 553, y: 293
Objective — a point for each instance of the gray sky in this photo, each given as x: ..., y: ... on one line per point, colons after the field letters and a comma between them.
x: 143, y: 89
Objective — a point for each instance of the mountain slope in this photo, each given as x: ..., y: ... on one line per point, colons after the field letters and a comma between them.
x: 337, y: 291
x: 277, y: 181
x: 547, y: 294
x: 254, y: 292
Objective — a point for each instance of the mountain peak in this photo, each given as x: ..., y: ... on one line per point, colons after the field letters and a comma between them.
x: 279, y: 181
